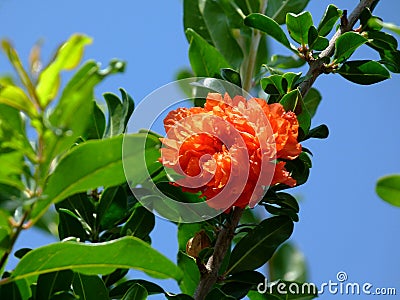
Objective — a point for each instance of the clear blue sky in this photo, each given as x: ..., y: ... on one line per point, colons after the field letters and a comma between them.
x: 343, y: 225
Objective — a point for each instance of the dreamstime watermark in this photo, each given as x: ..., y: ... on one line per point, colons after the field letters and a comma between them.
x: 340, y: 286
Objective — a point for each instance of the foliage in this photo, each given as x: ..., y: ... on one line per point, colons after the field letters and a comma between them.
x: 61, y: 157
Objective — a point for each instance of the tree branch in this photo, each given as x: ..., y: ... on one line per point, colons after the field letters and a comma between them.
x: 317, y: 66
x: 222, y: 244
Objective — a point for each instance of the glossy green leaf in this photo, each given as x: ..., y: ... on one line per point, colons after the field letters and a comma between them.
x: 289, y: 101
x: 277, y: 9
x: 119, y: 112
x: 319, y: 132
x: 140, y: 223
x: 298, y: 26
x: 14, y: 96
x: 52, y: 283
x: 70, y: 226
x: 315, y: 41
x: 381, y: 41
x: 391, y: 60
x: 67, y: 57
x: 93, y: 259
x: 288, y: 263
x: 69, y: 119
x: 221, y: 34
x: 346, y: 44
x: 136, y: 292
x: 191, y: 274
x: 112, y: 207
x: 97, y: 163
x: 285, y: 62
x: 331, y: 16
x: 88, y: 287
x: 312, y: 101
x: 388, y: 188
x: 97, y: 124
x: 257, y: 247
x: 268, y: 26
x: 299, y: 168
x: 206, y: 60
x: 364, y: 72
x: 193, y: 18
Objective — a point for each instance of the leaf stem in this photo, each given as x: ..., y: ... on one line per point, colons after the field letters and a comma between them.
x: 317, y: 66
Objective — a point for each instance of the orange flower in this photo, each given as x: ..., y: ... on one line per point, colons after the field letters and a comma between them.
x: 232, y: 149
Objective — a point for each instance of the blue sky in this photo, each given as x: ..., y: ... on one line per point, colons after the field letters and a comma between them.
x: 343, y: 225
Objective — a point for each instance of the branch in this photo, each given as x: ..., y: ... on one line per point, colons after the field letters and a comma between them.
x: 222, y: 244
x: 317, y: 66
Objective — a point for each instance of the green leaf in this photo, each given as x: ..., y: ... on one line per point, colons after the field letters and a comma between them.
x: 118, y: 112
x: 382, y: 41
x: 331, y: 16
x: 221, y: 34
x: 69, y: 119
x: 89, y: 287
x: 206, y: 60
x: 70, y: 226
x: 364, y: 72
x: 136, y: 292
x: 120, y: 290
x: 93, y: 259
x: 12, y: 167
x: 193, y: 18
x: 10, y: 291
x: 112, y: 207
x: 277, y: 9
x: 140, y: 223
x: 67, y: 57
x: 285, y: 62
x: 289, y: 264
x: 216, y: 293
x: 312, y: 101
x: 257, y: 247
x: 268, y: 26
x: 391, y: 60
x: 52, y: 283
x: 112, y: 278
x: 191, y: 274
x: 316, y: 41
x: 97, y: 163
x: 15, y: 97
x: 346, y: 44
x: 289, y: 101
x: 299, y: 168
x: 390, y: 26
x: 298, y: 26
x: 319, y: 132
x: 97, y: 124
x: 388, y: 188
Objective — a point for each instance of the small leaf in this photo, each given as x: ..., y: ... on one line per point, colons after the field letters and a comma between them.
x: 298, y: 26
x: 15, y: 97
x: 388, y: 188
x: 331, y: 16
x: 319, y: 132
x: 206, y: 60
x: 136, y: 292
x: 277, y: 9
x: 346, y: 44
x: 268, y: 26
x: 70, y: 226
x: 382, y: 41
x: 67, y: 57
x: 93, y: 259
x: 315, y: 41
x: 257, y: 247
x: 391, y: 60
x: 312, y: 101
x: 364, y: 72
x: 112, y: 207
x: 191, y: 274
x: 97, y: 124
x: 140, y: 223
x: 289, y: 101
x: 232, y: 76
x: 89, y: 287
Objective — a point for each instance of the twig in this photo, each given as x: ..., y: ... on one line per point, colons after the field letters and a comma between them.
x: 317, y: 66
x: 222, y: 244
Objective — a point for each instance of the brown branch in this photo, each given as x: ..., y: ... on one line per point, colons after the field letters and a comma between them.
x: 222, y: 244
x: 317, y: 66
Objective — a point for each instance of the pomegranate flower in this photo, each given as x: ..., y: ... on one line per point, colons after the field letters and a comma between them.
x: 231, y: 150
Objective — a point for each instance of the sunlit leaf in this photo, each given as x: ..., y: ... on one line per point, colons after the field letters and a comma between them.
x: 16, y: 97
x: 298, y: 26
x: 331, y: 16
x: 67, y: 57
x: 93, y: 259
x: 286, y: 62
x: 346, y: 44
x: 388, y: 188
x: 364, y: 72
